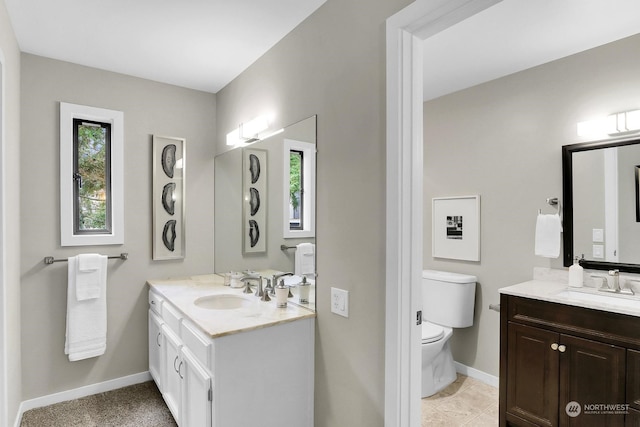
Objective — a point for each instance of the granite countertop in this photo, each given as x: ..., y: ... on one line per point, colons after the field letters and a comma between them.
x: 588, y: 297
x: 182, y: 292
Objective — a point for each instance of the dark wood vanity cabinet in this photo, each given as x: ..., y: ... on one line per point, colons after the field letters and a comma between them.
x: 552, y: 355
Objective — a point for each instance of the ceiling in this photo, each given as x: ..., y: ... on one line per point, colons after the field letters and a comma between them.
x: 198, y: 44
x: 204, y: 44
x: 515, y: 35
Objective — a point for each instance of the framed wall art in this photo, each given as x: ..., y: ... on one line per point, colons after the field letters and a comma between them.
x: 168, y: 197
x: 456, y: 227
x: 254, y: 205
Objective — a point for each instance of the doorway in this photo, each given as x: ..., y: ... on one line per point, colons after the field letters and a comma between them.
x: 406, y: 30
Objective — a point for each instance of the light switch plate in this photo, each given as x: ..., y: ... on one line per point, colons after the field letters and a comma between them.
x: 598, y: 235
x: 340, y: 302
x: 598, y: 251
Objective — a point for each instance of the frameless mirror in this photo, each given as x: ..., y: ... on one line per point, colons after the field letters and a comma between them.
x: 602, y: 205
x: 265, y: 204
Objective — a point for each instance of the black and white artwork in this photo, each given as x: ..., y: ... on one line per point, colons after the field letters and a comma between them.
x: 254, y: 212
x: 455, y: 225
x: 168, y: 197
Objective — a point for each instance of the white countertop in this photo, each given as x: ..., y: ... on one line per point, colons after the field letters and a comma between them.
x: 549, y: 291
x: 182, y: 292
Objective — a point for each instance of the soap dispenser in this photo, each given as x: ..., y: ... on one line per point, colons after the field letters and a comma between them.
x: 576, y: 278
x: 304, y: 288
x: 282, y: 293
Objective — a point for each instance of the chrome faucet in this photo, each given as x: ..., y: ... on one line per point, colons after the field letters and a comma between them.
x: 277, y: 277
x: 627, y: 288
x: 247, y: 282
x: 615, y: 274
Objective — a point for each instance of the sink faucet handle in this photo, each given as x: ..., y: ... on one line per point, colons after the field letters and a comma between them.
x: 605, y: 282
x: 627, y: 288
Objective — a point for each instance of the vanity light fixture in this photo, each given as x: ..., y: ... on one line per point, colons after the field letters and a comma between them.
x: 248, y: 132
x: 614, y: 124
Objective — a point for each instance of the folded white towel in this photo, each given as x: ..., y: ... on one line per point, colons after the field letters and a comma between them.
x: 86, y: 334
x: 89, y: 276
x: 548, y: 233
x: 305, y: 260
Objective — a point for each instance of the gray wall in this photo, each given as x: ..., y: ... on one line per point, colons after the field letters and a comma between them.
x: 333, y: 65
x: 503, y: 140
x: 11, y: 193
x: 149, y: 108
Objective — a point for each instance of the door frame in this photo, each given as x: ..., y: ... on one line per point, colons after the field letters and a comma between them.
x: 405, y: 33
x: 3, y: 249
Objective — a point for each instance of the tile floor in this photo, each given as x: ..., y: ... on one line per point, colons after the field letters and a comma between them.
x: 466, y: 402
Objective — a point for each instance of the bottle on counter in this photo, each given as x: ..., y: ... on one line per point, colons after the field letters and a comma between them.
x: 576, y: 274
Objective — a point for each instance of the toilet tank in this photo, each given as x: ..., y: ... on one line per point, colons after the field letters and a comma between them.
x: 448, y: 299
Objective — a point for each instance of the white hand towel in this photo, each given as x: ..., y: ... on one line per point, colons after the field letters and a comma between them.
x: 305, y: 264
x: 89, y: 276
x: 86, y: 334
x: 548, y: 233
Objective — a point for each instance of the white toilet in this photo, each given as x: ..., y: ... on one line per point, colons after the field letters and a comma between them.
x: 448, y: 301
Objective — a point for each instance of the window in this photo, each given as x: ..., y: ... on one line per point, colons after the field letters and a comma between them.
x: 299, y: 189
x: 91, y: 176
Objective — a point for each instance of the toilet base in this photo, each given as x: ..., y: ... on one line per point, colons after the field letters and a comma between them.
x: 439, y: 373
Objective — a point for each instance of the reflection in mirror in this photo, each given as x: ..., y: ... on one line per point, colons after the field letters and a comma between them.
x: 600, y: 193
x: 290, y: 193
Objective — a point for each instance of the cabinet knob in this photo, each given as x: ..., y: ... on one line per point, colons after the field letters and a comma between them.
x: 562, y: 348
x: 554, y: 346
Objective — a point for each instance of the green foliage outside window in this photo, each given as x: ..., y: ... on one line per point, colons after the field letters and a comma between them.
x: 92, y: 169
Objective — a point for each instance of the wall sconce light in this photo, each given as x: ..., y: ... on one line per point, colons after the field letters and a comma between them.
x: 614, y: 124
x: 248, y: 132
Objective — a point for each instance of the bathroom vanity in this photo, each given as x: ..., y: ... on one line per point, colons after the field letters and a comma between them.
x: 224, y: 358
x: 568, y: 358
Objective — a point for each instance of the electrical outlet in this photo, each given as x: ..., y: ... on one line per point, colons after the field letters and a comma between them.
x: 340, y: 302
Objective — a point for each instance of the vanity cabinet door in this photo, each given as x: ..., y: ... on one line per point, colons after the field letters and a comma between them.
x: 591, y: 372
x: 633, y: 379
x: 172, y: 387
x: 155, y: 349
x: 196, y: 392
x: 532, y: 372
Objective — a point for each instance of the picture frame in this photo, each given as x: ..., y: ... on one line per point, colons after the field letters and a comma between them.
x: 455, y: 227
x: 169, y: 166
x: 254, y: 203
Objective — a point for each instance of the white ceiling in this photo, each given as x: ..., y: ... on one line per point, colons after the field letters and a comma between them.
x: 515, y: 35
x: 198, y: 44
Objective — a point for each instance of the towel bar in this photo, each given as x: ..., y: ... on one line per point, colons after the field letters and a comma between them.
x: 48, y: 260
x: 285, y: 247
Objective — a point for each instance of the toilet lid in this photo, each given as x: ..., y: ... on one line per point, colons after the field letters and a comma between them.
x: 431, y: 332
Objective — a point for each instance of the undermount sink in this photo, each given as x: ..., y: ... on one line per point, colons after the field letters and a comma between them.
x: 222, y: 302
x: 600, y: 298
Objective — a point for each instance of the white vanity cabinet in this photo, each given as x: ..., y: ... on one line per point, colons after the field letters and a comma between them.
x: 257, y: 377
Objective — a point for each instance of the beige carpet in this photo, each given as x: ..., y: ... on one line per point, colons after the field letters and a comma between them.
x: 134, y: 406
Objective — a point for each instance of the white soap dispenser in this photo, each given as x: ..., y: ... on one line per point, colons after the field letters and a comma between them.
x: 576, y: 277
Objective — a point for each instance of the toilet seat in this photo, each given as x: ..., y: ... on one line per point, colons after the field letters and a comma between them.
x: 431, y: 332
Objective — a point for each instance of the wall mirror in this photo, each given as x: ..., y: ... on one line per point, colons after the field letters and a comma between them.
x: 602, y: 205
x: 265, y: 204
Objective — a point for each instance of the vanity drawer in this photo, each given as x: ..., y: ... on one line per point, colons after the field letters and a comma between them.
x: 155, y: 303
x: 611, y: 328
x: 199, y: 344
x: 171, y: 317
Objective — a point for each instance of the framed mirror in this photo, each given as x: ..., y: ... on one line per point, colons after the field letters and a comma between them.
x: 601, y: 204
x: 260, y: 187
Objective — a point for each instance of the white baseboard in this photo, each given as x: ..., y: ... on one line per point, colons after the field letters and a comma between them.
x: 77, y: 393
x: 477, y: 374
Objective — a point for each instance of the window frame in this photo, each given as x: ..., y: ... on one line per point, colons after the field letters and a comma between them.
x: 308, y: 198
x: 69, y: 235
